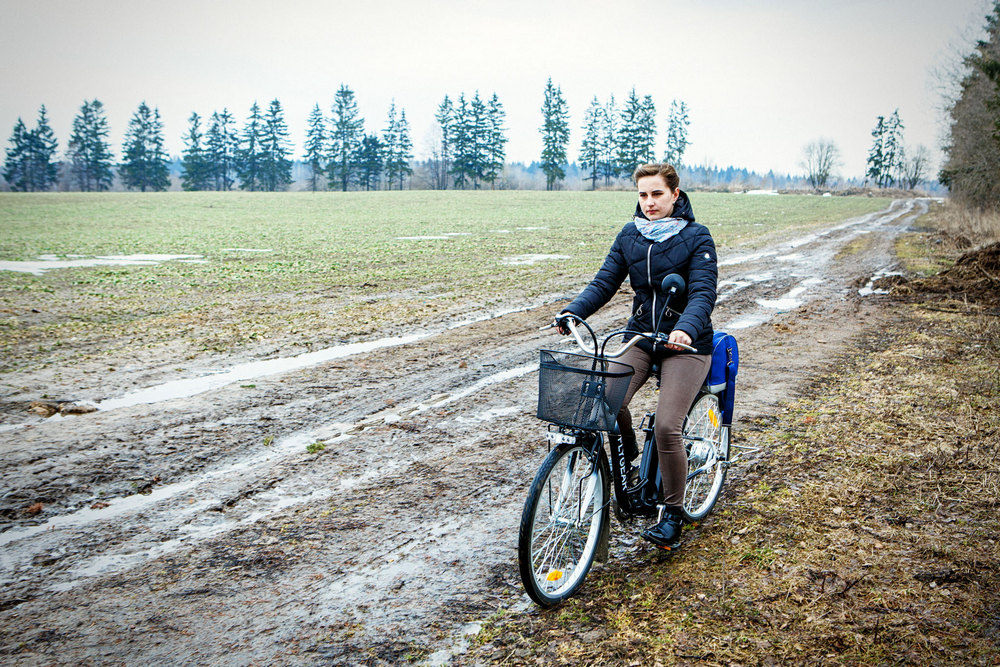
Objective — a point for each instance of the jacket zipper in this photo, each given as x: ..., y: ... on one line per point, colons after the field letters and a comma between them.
x: 649, y: 278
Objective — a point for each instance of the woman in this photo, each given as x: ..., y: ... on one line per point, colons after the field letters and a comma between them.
x: 663, y: 238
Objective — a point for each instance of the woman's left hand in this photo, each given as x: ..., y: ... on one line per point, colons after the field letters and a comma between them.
x: 678, y: 336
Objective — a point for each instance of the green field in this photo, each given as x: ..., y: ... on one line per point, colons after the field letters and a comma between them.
x: 336, y: 267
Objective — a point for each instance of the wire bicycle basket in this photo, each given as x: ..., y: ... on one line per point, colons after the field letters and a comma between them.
x: 580, y: 390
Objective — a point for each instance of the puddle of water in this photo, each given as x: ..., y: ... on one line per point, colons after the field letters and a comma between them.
x: 489, y: 415
x: 726, y: 289
x: 479, y: 385
x: 444, y: 236
x: 792, y: 299
x: 249, y: 371
x: 49, y: 262
x: 869, y: 288
x: 770, y: 307
x: 271, y: 501
x: 746, y: 321
x: 440, y: 237
x: 748, y: 257
x: 445, y: 656
x: 521, y: 260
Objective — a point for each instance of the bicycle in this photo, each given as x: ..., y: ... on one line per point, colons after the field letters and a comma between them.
x: 565, y: 522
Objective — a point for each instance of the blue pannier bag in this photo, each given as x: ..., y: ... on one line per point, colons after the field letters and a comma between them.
x: 722, y: 376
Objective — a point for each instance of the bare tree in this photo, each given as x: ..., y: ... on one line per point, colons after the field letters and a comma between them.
x: 913, y: 168
x: 820, y: 158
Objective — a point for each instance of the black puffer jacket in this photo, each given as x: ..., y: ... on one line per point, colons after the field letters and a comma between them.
x: 690, y: 253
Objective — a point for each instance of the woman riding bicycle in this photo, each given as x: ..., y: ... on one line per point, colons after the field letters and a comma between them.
x: 663, y: 238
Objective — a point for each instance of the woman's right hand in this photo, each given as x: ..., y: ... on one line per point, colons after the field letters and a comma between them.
x: 561, y: 324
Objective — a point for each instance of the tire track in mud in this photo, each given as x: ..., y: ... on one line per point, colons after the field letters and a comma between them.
x: 402, y: 527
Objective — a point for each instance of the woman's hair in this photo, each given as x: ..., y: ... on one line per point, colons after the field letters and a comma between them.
x: 665, y: 170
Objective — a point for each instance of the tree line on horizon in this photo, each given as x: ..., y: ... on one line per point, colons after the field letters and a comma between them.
x: 469, y: 151
x: 338, y: 152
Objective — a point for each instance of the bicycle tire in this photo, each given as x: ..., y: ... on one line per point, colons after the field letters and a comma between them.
x: 564, y: 515
x: 706, y: 441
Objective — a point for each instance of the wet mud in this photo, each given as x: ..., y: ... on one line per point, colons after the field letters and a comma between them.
x: 355, y: 505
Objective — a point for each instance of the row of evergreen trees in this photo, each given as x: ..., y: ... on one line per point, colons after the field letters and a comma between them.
x: 257, y: 157
x: 339, y: 153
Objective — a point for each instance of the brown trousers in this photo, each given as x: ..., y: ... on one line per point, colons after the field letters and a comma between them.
x: 681, y: 375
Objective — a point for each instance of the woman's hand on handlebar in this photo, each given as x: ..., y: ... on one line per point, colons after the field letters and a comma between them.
x: 678, y: 336
x: 560, y: 322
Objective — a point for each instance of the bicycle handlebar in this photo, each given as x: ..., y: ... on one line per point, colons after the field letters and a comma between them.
x: 571, y: 323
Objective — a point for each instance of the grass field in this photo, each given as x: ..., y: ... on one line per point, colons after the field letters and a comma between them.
x: 337, y: 266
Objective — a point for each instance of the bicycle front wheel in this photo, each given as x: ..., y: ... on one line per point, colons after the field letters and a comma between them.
x: 561, y: 524
x: 706, y: 441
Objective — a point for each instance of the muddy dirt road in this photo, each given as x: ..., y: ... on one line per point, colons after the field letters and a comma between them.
x: 354, y: 504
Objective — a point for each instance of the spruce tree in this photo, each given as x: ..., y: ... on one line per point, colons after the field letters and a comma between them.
x: 144, y: 162
x: 370, y: 163
x: 275, y: 167
x: 555, y: 135
x: 42, y: 147
x: 638, y: 134
x: 397, y: 148
x: 405, y: 149
x: 462, y: 144
x: 249, y: 165
x: 590, y: 147
x: 876, y: 159
x: 445, y: 117
x: 892, y: 149
x: 346, y: 134
x: 496, y: 141
x: 647, y: 131
x: 609, y: 141
x: 223, y: 147
x: 17, y: 166
x: 390, y: 145
x: 677, y: 133
x: 315, y: 155
x: 478, y: 124
x: 885, y: 158
x: 88, y: 151
x: 197, y: 173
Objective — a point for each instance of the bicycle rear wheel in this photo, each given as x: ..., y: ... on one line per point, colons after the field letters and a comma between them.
x: 561, y: 524
x: 707, y: 443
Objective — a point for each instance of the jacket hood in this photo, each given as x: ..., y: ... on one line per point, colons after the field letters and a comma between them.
x: 682, y: 208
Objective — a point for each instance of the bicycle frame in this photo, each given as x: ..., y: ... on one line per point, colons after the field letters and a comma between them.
x: 646, y: 496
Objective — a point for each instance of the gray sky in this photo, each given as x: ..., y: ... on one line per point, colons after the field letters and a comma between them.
x: 761, y: 79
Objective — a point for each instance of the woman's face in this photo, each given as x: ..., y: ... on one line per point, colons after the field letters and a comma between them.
x: 655, y: 197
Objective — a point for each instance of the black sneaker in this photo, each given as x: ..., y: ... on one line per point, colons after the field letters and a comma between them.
x: 666, y: 535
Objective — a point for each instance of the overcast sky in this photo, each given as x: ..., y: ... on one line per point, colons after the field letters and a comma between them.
x: 761, y: 79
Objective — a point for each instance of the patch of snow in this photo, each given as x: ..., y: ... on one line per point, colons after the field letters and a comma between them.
x: 49, y: 262
x: 521, y: 260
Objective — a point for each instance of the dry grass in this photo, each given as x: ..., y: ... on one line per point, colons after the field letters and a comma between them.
x: 866, y: 533
x: 971, y: 227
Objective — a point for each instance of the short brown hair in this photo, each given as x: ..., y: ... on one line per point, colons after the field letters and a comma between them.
x: 663, y: 169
